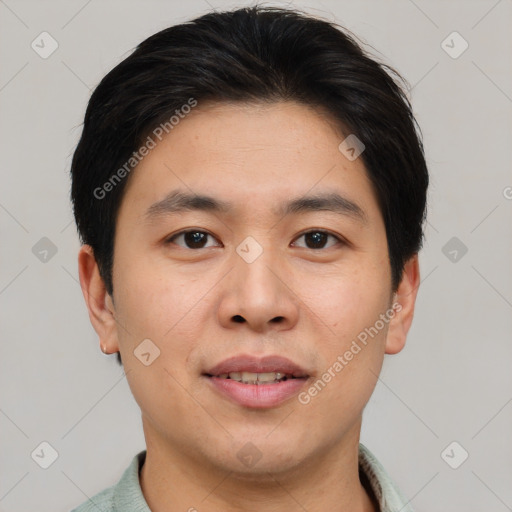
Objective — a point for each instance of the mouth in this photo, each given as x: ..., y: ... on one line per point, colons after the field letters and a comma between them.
x: 256, y: 378
x: 257, y: 382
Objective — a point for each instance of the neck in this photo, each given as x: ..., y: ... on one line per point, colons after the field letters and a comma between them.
x: 171, y: 481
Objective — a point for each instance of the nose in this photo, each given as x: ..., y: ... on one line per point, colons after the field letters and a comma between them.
x: 259, y: 294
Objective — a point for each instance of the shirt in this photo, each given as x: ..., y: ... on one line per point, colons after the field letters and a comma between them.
x: 126, y: 495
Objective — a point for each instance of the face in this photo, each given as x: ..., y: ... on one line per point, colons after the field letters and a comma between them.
x: 252, y: 280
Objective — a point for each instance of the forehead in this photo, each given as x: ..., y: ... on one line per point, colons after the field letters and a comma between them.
x: 251, y: 155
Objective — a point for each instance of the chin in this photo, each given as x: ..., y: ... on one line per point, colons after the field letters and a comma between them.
x: 254, y: 456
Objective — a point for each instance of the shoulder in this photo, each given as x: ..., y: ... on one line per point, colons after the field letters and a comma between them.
x: 125, y: 496
x: 103, y: 501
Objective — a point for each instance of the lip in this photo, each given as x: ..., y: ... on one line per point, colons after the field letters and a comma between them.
x: 247, y: 363
x: 257, y: 396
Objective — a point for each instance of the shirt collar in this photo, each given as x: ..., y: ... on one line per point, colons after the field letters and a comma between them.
x: 386, y: 493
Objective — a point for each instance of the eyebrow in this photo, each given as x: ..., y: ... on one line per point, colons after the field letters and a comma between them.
x: 178, y: 201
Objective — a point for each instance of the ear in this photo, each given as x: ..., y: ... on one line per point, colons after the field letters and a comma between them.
x: 403, y: 304
x: 99, y: 303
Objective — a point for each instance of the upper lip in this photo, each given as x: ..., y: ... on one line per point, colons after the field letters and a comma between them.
x: 253, y: 364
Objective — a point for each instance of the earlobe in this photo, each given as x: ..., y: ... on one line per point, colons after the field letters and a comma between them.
x: 99, y: 303
x: 403, y: 305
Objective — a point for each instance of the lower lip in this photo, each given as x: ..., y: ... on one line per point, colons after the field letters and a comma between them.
x: 258, y: 395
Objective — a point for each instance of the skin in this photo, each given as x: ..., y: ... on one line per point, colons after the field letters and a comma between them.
x: 187, y: 301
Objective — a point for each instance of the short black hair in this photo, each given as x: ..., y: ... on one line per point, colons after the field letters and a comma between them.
x: 256, y: 53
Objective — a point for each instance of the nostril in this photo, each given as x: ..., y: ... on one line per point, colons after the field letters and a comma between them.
x: 240, y: 319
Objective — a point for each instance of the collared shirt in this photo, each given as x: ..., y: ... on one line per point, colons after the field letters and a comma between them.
x: 126, y: 495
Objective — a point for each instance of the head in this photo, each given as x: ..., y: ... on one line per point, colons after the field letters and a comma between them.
x: 225, y: 209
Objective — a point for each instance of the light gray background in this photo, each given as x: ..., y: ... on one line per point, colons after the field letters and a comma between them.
x: 452, y: 382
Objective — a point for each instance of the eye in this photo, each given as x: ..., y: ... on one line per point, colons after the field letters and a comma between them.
x: 193, y: 239
x: 317, y: 239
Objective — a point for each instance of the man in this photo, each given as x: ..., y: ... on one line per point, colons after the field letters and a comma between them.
x: 250, y: 190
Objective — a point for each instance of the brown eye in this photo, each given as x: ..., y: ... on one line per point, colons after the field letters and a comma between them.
x: 192, y: 239
x: 318, y: 239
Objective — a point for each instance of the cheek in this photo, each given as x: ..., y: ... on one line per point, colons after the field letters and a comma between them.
x: 169, y: 308
x: 347, y: 300
x: 158, y: 309
x: 352, y: 351
x: 350, y: 304
x: 154, y: 299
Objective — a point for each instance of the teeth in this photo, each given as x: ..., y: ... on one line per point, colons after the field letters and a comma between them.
x: 268, y: 377
x: 254, y: 378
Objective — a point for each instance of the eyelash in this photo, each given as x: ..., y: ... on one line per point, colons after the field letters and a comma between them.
x: 171, y: 239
